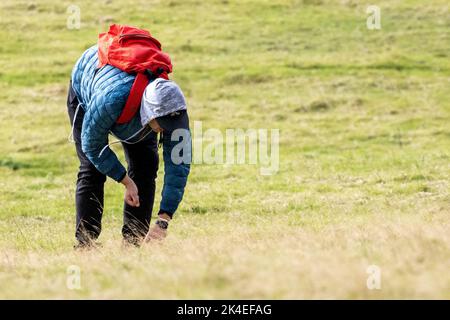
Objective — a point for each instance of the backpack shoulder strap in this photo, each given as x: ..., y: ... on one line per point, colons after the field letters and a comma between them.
x: 134, y: 98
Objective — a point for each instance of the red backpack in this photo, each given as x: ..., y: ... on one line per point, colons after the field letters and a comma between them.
x: 134, y: 51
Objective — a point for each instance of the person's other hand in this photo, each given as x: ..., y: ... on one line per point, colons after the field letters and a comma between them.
x: 131, y: 192
x: 156, y: 232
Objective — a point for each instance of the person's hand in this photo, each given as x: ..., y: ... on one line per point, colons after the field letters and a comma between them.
x: 131, y: 192
x: 156, y: 232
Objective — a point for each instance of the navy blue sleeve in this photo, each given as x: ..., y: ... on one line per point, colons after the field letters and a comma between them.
x: 177, y: 163
x: 97, y: 122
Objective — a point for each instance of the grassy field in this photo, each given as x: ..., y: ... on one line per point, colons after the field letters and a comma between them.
x: 364, y: 175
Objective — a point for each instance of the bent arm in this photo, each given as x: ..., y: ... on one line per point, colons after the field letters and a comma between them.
x: 177, y: 163
x: 97, y: 122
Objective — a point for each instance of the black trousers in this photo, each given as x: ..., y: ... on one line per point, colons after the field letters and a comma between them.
x: 142, y: 159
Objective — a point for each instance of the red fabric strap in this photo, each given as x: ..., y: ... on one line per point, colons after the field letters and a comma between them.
x: 134, y: 99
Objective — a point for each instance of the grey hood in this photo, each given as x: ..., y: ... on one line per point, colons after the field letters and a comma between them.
x: 161, y: 97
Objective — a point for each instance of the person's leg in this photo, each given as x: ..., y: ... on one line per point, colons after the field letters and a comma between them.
x: 90, y: 183
x: 142, y: 159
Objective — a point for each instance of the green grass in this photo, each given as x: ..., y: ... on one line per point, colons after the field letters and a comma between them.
x: 364, y: 152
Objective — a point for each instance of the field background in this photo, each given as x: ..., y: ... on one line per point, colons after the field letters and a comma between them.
x: 364, y: 152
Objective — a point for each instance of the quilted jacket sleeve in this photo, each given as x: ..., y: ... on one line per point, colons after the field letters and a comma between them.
x: 176, y: 171
x: 97, y: 122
